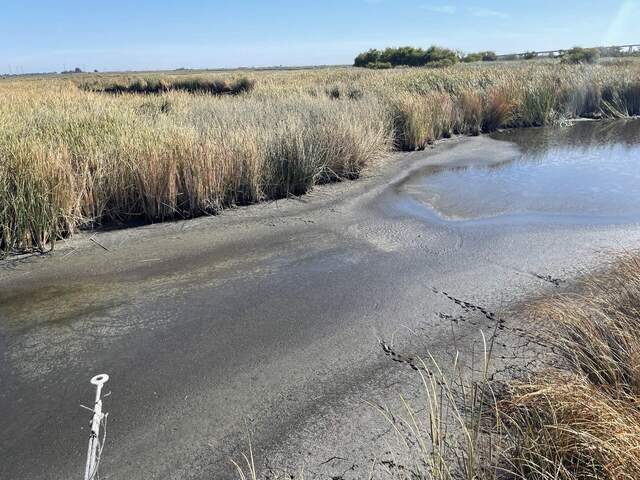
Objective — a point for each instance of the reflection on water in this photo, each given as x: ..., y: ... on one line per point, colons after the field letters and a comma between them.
x: 591, y: 169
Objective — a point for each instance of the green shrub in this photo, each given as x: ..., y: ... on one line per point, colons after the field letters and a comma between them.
x: 333, y: 92
x: 580, y: 55
x: 530, y: 55
x: 438, y: 54
x: 370, y: 57
x: 405, y: 56
x: 472, y: 57
x: 487, y: 56
x: 379, y: 65
x: 242, y: 85
x: 445, y: 62
x: 337, y: 92
x: 354, y: 93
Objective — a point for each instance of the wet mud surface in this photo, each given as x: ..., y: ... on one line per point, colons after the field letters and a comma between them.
x: 271, y: 316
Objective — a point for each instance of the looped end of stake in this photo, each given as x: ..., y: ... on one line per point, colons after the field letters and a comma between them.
x: 100, y: 379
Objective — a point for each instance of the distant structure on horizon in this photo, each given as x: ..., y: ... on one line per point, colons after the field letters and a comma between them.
x: 612, y: 51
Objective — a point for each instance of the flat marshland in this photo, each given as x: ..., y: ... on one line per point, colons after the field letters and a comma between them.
x: 88, y: 150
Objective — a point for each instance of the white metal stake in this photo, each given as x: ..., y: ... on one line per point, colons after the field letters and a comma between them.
x: 94, y: 440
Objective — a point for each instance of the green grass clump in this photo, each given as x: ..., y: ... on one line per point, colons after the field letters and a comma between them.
x: 538, y: 106
x: 420, y: 120
x: 581, y: 55
x: 621, y: 100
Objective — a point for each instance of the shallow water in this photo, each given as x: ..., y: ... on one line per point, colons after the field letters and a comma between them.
x: 590, y: 170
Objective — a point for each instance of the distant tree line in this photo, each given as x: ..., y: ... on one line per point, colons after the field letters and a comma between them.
x: 573, y: 55
x: 487, y: 56
x: 406, y: 56
x: 418, y: 57
x: 578, y: 54
x: 442, y: 57
x: 76, y: 70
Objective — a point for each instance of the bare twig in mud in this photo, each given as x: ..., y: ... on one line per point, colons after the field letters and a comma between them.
x: 98, y: 243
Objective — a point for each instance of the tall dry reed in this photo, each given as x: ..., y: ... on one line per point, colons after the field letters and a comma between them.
x: 72, y: 158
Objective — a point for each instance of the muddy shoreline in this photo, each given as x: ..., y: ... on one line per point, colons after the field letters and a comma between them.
x: 270, y: 313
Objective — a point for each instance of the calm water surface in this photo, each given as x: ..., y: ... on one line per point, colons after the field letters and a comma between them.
x: 589, y: 170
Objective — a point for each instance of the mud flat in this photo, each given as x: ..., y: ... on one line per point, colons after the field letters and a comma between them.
x: 272, y: 313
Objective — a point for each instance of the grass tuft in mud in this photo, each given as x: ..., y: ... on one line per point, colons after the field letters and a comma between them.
x: 577, y: 418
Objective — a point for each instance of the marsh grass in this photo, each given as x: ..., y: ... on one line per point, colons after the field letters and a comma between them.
x: 577, y: 419
x: 445, y: 435
x: 581, y: 419
x: 159, y: 84
x: 72, y: 156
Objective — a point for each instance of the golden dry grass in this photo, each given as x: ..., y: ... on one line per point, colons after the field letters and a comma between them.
x: 581, y: 420
x: 72, y: 158
x: 564, y: 427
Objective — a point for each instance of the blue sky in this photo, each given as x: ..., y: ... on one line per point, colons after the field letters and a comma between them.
x: 160, y: 34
